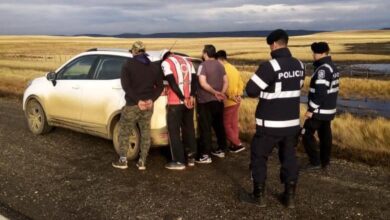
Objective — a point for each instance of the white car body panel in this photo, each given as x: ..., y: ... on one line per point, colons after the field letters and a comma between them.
x: 90, y: 105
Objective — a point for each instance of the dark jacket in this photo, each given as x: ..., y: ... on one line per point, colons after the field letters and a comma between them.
x: 324, y: 87
x: 277, y: 83
x: 141, y: 79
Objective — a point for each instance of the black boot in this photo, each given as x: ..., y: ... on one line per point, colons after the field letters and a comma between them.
x: 289, y: 195
x: 259, y: 194
x: 257, y: 197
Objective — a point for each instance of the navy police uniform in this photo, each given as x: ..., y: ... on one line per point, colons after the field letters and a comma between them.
x: 278, y: 84
x: 322, y: 100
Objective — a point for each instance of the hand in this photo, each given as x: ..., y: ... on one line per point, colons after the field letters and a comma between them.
x: 145, y: 105
x: 142, y: 105
x: 149, y: 104
x: 238, y: 99
x: 220, y: 96
x: 189, y: 102
x: 308, y: 115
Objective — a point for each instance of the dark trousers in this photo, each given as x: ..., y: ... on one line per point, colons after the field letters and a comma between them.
x: 261, y: 148
x: 180, y: 121
x: 324, y: 131
x: 210, y: 115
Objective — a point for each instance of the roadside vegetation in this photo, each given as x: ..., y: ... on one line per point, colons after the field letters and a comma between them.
x: 351, y: 88
x: 23, y: 58
x: 355, y: 138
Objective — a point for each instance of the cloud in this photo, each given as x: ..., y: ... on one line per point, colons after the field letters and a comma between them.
x: 136, y: 16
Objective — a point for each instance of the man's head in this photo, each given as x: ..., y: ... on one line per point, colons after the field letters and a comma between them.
x: 320, y: 50
x: 277, y: 39
x: 221, y: 56
x: 165, y: 54
x: 138, y: 47
x: 208, y: 52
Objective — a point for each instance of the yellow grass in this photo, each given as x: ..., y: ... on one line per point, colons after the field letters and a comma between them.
x: 351, y: 87
x: 366, y: 139
x: 40, y: 54
x: 357, y: 138
x: 360, y: 88
x: 25, y: 57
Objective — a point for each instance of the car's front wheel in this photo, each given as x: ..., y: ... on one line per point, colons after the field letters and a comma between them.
x: 36, y: 118
x: 133, y: 145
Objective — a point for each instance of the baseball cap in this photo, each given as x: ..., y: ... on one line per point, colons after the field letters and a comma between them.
x: 137, y: 47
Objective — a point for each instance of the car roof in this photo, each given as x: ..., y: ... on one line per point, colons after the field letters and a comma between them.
x: 153, y: 55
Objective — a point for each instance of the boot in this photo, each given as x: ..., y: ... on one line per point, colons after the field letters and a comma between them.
x: 289, y: 195
x: 256, y: 197
x: 259, y: 194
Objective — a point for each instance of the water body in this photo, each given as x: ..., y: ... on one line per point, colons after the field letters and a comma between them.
x: 361, y: 106
x: 377, y: 67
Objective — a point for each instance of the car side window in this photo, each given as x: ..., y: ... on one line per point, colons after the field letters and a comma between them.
x: 78, y: 69
x: 110, y: 67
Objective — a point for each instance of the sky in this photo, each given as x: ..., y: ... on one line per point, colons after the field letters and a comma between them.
x: 68, y: 17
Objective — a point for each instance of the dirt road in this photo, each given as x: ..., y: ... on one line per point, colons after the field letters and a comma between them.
x: 67, y: 175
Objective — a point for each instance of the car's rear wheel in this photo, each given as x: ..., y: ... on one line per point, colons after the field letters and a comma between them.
x: 36, y: 118
x: 133, y: 144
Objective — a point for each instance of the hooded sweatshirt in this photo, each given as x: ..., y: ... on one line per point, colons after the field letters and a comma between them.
x: 141, y: 79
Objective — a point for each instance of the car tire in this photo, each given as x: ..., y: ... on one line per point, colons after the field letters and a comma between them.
x: 36, y: 118
x: 133, y: 145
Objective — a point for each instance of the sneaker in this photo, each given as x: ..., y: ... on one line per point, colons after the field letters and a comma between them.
x: 141, y: 165
x: 204, y: 159
x: 175, y: 166
x: 236, y: 149
x: 191, y: 162
x: 218, y: 153
x: 120, y: 164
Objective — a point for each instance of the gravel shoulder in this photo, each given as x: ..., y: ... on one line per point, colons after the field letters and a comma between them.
x: 68, y: 175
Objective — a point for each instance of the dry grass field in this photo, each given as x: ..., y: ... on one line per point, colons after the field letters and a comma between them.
x: 358, y: 88
x: 355, y: 138
x: 25, y: 57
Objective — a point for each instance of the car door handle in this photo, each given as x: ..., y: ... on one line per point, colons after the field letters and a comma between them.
x: 76, y: 87
x: 116, y: 87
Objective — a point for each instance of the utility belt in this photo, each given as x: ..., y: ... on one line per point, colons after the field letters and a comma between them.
x: 277, y: 124
x: 325, y: 111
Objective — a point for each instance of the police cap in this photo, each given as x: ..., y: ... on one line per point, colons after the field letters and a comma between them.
x: 320, y: 47
x: 277, y: 35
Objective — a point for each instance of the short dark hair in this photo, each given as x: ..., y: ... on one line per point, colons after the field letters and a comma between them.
x: 221, y: 54
x: 320, y: 47
x: 279, y: 36
x: 210, y: 50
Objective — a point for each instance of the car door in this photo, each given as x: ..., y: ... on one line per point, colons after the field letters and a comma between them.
x: 64, y: 102
x: 103, y: 95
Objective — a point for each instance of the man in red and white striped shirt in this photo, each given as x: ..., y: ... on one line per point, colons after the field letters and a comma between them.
x: 182, y: 78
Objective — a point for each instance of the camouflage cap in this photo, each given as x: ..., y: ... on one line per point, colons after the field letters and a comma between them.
x: 137, y: 47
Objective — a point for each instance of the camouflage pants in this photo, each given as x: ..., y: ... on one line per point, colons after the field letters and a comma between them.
x: 131, y: 117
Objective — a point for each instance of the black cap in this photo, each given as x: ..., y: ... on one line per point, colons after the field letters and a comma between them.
x: 320, y: 47
x: 277, y: 35
x: 221, y: 54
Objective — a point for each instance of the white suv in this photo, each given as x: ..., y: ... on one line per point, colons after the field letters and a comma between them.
x: 85, y: 94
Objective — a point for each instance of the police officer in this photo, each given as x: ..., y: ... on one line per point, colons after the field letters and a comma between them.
x: 278, y: 84
x: 324, y: 87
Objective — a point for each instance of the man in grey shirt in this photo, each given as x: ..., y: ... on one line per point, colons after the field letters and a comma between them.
x: 213, y: 84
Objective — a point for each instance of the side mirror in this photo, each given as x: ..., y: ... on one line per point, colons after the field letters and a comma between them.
x: 51, y: 76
